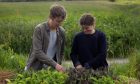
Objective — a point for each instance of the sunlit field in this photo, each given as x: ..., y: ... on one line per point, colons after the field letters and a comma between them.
x: 119, y: 20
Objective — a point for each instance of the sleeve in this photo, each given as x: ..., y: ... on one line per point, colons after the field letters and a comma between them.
x: 63, y: 45
x: 74, y: 54
x: 37, y: 49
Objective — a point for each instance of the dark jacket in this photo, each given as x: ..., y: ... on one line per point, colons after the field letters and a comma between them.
x: 89, y: 50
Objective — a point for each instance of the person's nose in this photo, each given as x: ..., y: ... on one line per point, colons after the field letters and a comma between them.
x: 86, y: 28
x: 60, y: 23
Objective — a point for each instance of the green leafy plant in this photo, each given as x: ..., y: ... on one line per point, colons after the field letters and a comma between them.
x: 40, y: 77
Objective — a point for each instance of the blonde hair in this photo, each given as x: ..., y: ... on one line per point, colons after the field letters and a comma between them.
x: 57, y: 11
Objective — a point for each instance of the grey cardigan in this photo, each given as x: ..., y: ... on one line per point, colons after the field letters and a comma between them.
x: 40, y: 43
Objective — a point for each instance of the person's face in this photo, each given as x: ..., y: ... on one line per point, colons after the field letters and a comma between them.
x: 88, y: 29
x: 56, y: 22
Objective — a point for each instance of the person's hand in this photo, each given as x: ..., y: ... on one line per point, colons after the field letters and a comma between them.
x: 25, y: 69
x: 59, y: 68
x: 86, y: 65
x: 79, y: 67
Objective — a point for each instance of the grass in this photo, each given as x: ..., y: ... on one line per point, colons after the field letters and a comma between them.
x: 119, y: 20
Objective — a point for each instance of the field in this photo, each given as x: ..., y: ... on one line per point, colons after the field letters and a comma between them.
x: 119, y: 20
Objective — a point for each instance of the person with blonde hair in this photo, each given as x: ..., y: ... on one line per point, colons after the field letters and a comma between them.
x: 48, y: 41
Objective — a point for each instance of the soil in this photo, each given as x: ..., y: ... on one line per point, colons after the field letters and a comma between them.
x: 5, y: 75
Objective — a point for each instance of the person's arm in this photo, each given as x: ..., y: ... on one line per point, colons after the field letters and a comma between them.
x: 74, y: 53
x: 37, y: 48
x: 101, y: 53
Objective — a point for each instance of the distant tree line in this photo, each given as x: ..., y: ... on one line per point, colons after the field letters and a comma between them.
x: 43, y: 0
x: 26, y: 0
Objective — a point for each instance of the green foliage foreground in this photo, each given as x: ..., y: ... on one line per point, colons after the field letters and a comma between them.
x: 117, y: 74
x: 40, y: 77
x: 70, y: 77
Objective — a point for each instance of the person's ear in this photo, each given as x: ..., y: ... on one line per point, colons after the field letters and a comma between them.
x: 52, y: 18
x: 94, y: 24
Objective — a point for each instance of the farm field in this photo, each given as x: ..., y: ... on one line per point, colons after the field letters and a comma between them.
x: 120, y: 21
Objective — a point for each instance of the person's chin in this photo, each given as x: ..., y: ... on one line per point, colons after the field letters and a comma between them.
x: 87, y: 32
x: 56, y: 26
